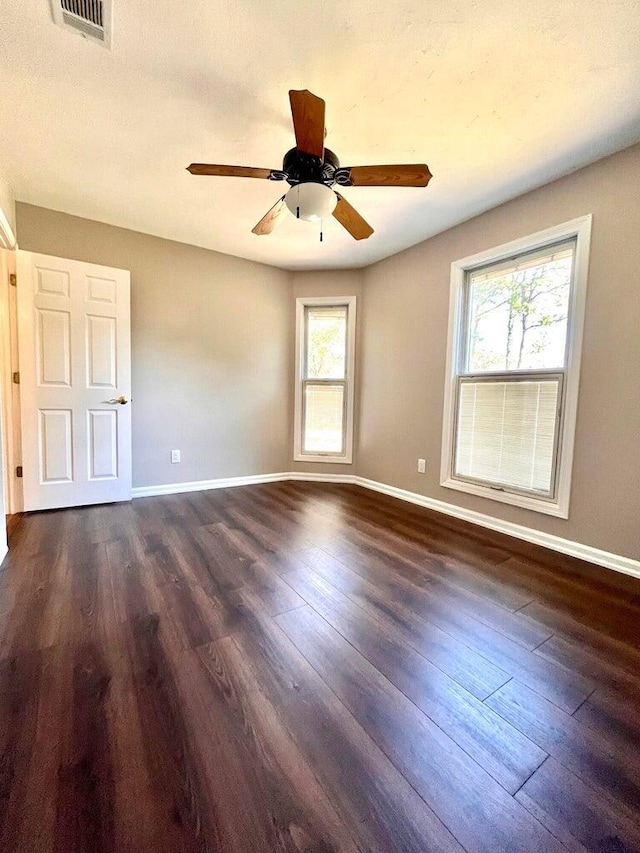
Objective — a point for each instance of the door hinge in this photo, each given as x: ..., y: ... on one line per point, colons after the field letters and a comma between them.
x: 16, y: 377
x: 19, y: 471
x: 13, y: 279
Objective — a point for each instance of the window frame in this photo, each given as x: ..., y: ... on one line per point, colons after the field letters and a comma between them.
x: 302, y: 303
x: 557, y: 505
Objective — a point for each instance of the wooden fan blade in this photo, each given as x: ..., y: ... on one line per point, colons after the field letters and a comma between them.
x: 308, y: 121
x: 409, y: 175
x: 271, y: 219
x: 228, y: 171
x: 350, y: 219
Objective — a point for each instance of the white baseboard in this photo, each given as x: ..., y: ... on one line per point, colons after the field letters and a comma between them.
x: 315, y: 477
x: 626, y: 565
x: 519, y: 531
x: 205, y: 485
x: 230, y: 482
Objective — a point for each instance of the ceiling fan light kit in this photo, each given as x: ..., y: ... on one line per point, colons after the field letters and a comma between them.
x: 311, y: 201
x: 312, y: 170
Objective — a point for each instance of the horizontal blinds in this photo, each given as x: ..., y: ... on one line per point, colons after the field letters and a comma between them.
x: 326, y: 313
x: 506, y: 432
x: 537, y: 258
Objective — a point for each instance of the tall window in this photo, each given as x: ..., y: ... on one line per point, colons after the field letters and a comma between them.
x: 325, y: 338
x: 516, y: 327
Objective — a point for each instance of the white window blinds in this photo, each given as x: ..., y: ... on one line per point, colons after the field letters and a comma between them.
x: 507, y: 432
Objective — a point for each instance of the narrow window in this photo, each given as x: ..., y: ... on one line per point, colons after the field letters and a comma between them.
x: 514, y: 362
x: 324, y: 379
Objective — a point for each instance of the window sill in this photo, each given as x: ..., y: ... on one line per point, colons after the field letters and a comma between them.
x: 322, y: 457
x: 523, y: 501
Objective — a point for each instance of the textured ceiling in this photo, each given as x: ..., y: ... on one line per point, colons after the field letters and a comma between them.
x: 497, y: 97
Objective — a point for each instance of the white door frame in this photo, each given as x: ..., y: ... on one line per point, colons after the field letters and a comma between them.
x: 7, y: 478
x: 11, y: 433
x: 9, y: 393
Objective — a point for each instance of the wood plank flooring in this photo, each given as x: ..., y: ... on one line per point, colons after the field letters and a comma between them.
x: 299, y: 667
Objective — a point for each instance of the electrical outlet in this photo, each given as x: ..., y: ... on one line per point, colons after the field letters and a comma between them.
x: 175, y: 456
x: 422, y: 466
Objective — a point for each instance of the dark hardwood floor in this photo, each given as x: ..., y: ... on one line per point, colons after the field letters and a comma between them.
x: 301, y: 667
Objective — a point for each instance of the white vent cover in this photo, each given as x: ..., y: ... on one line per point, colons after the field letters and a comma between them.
x: 91, y: 18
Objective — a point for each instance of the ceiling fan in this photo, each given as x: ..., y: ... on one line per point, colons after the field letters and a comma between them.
x: 312, y: 170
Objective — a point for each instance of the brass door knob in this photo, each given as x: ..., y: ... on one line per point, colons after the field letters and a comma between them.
x: 121, y: 400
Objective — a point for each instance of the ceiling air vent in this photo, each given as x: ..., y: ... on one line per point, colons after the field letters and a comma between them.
x: 91, y: 18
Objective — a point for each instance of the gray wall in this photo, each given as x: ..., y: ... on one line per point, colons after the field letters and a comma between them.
x: 211, y: 348
x: 404, y: 337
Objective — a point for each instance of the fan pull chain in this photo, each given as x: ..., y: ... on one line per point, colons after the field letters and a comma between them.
x: 298, y: 198
x: 321, y: 230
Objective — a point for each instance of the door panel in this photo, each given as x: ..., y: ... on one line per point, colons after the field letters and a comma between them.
x: 103, y: 445
x: 75, y: 361
x: 53, y: 347
x: 101, y: 352
x: 101, y: 290
x: 53, y: 282
x: 55, y: 441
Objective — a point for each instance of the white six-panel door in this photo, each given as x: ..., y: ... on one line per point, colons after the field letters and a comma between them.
x: 75, y: 364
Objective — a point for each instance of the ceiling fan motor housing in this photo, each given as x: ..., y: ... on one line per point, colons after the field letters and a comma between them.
x: 301, y: 168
